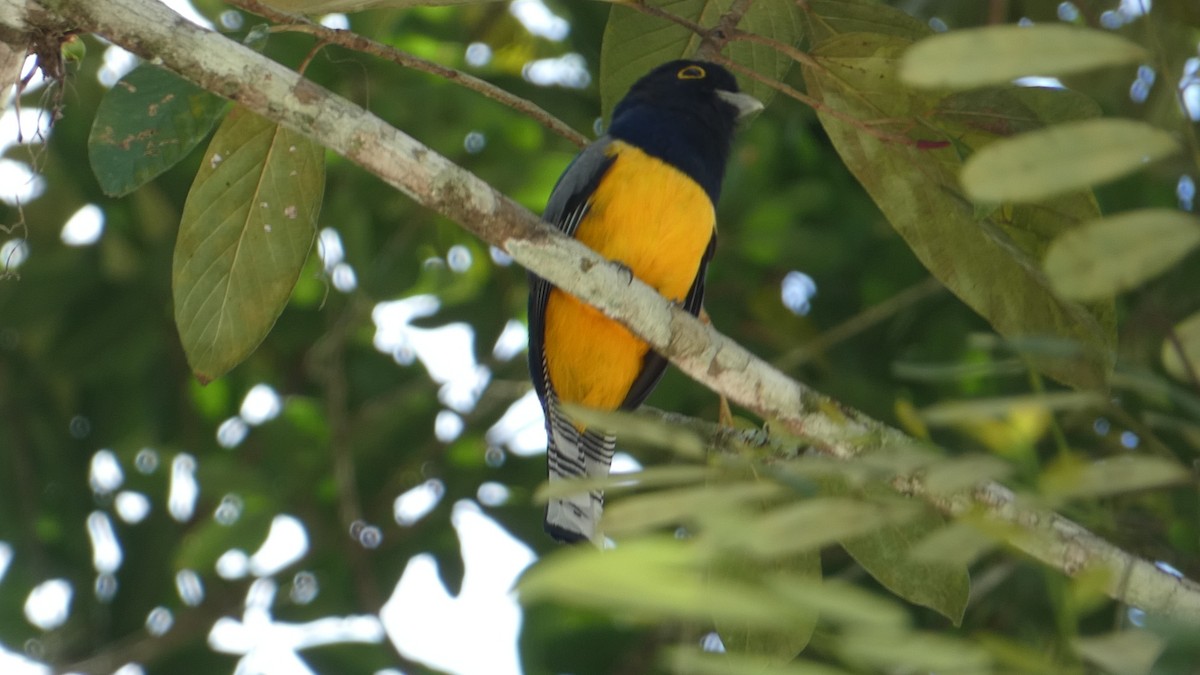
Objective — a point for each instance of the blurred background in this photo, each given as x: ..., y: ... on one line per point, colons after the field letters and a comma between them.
x: 356, y: 496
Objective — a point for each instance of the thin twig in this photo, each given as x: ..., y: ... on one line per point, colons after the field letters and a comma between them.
x: 722, y: 34
x: 1193, y: 375
x: 820, y: 107
x: 730, y: 20
x: 1155, y: 317
x: 716, y: 39
x: 189, y: 626
x: 1038, y: 386
x: 1148, y: 439
x: 326, y: 361
x: 22, y: 462
x: 358, y: 43
x: 997, y: 11
x: 312, y: 53
x: 650, y: 10
x: 799, y: 56
x: 858, y: 323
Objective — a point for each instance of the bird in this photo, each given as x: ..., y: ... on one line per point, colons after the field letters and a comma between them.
x: 643, y: 195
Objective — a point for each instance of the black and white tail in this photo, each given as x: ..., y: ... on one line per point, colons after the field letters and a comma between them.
x: 574, y: 454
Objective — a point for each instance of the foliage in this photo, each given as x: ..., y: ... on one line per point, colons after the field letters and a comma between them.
x: 1064, y: 360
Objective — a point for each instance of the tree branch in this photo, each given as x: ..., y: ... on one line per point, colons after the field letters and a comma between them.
x: 236, y: 72
x: 358, y: 43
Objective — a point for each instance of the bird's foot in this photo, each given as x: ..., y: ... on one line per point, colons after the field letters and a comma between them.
x: 724, y: 414
x: 625, y: 270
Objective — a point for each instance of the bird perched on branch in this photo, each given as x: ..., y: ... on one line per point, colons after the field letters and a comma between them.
x: 644, y: 196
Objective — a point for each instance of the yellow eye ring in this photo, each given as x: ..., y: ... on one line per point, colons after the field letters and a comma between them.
x: 692, y: 73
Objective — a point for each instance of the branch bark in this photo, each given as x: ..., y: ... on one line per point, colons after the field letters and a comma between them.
x: 222, y: 66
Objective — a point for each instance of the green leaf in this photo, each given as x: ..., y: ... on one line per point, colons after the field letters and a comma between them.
x: 916, y: 186
x: 652, y: 477
x: 782, y: 642
x: 884, y: 554
x: 1073, y: 479
x: 145, y: 124
x: 247, y: 227
x: 1104, y: 257
x: 1063, y: 157
x: 828, y: 473
x: 977, y: 57
x: 1184, y: 367
x: 980, y: 116
x: 692, y: 661
x: 841, y: 602
x: 813, y: 523
x: 639, y: 513
x: 634, y: 43
x: 902, y: 651
x: 1012, y: 656
x: 824, y: 19
x: 639, y: 429
x: 963, y: 473
x: 959, y: 543
x: 1127, y: 652
x: 650, y: 579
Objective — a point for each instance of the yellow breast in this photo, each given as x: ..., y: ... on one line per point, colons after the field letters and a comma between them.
x: 655, y: 220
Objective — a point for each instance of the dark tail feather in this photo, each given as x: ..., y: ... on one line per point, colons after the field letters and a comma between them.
x: 571, y: 454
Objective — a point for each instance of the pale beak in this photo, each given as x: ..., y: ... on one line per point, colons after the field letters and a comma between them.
x: 746, y: 104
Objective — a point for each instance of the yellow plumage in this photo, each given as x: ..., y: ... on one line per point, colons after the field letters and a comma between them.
x: 653, y: 219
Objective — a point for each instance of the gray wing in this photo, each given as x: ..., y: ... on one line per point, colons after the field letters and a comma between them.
x: 567, y: 205
x: 569, y: 454
x: 576, y: 184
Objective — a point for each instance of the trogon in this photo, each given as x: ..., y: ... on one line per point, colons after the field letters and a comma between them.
x: 643, y: 195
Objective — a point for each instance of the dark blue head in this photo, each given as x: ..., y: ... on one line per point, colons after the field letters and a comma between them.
x: 684, y: 113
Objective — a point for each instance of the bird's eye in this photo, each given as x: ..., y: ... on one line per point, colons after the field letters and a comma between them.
x: 692, y: 73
